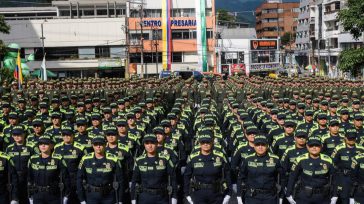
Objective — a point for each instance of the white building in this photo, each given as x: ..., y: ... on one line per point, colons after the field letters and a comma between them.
x: 249, y: 55
x: 320, y: 36
x: 81, y: 37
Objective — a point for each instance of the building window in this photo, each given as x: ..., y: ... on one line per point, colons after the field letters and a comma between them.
x: 188, y: 12
x: 64, y: 13
x: 177, y: 57
x: 61, y: 53
x: 86, y: 53
x: 117, y: 52
x: 88, y: 12
x: 102, y: 52
x: 176, y: 12
x: 153, y: 13
x: 101, y: 12
x: 120, y: 12
x: 263, y: 56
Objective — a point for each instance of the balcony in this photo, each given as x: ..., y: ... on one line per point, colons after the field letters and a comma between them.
x: 330, y: 16
x: 330, y: 33
x: 269, y: 15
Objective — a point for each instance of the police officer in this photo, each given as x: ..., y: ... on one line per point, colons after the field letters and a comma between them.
x: 71, y: 152
x: 333, y: 138
x: 357, y: 192
x: 259, y: 176
x: 20, y: 153
x: 154, y: 178
x: 294, y: 151
x: 100, y: 178
x: 207, y: 175
x: 342, y: 158
x: 8, y: 180
x: 310, y: 178
x: 48, y: 179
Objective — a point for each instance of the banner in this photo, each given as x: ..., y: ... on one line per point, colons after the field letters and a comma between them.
x: 201, y: 35
x: 43, y: 72
x: 18, y: 71
x: 166, y: 34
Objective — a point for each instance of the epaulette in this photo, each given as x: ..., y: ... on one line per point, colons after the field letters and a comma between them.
x: 140, y: 157
x: 111, y: 157
x: 290, y: 148
x: 250, y: 155
x: 4, y: 155
x: 340, y: 146
x: 359, y: 147
x: 11, y: 145
x: 58, y: 145
x: 88, y: 156
x: 359, y: 156
x: 123, y: 147
x: 34, y: 156
x: 302, y: 157
x: 326, y: 158
x: 273, y: 155
x: 56, y: 156
x: 195, y: 154
x: 78, y: 146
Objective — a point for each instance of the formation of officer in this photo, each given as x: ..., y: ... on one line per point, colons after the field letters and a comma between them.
x: 243, y: 139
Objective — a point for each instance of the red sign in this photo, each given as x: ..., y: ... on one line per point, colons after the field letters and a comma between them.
x: 239, y: 68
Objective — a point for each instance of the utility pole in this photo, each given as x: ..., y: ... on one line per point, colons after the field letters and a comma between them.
x: 127, y: 39
x: 43, y: 51
x: 156, y: 38
x: 141, y: 14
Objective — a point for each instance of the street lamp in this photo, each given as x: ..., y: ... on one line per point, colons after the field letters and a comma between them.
x: 43, y: 38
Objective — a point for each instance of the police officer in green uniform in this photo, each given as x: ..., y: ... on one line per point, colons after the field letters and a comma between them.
x: 100, y: 177
x: 311, y: 175
x: 48, y: 179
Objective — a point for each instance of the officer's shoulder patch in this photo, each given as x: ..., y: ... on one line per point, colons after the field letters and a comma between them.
x: 195, y: 154
x: 359, y: 156
x: 140, y: 157
x: 360, y: 147
x: 302, y: 157
x: 56, y: 156
x: 58, y: 145
x: 78, y: 146
x: 10, y: 146
x: 273, y: 155
x: 88, y: 156
x: 290, y: 148
x: 4, y: 155
x: 340, y: 146
x: 250, y: 155
x: 111, y: 157
x: 326, y: 158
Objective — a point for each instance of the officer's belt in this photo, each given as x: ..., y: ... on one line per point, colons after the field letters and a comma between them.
x: 99, y: 189
x: 262, y: 191
x: 199, y: 186
x: 154, y: 190
x: 53, y: 188
x: 344, y: 172
x: 316, y: 190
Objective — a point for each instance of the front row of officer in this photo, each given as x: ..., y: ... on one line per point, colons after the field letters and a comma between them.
x: 100, y: 177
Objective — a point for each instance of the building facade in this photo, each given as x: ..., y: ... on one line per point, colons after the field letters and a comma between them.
x: 80, y: 38
x: 171, y: 35
x: 274, y: 18
x: 320, y: 37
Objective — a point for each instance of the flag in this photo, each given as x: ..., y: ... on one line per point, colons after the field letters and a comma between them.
x: 43, y: 70
x: 18, y: 70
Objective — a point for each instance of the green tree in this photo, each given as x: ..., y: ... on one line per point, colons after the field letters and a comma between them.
x: 288, y: 38
x: 351, y: 18
x: 4, y: 28
x: 225, y: 18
